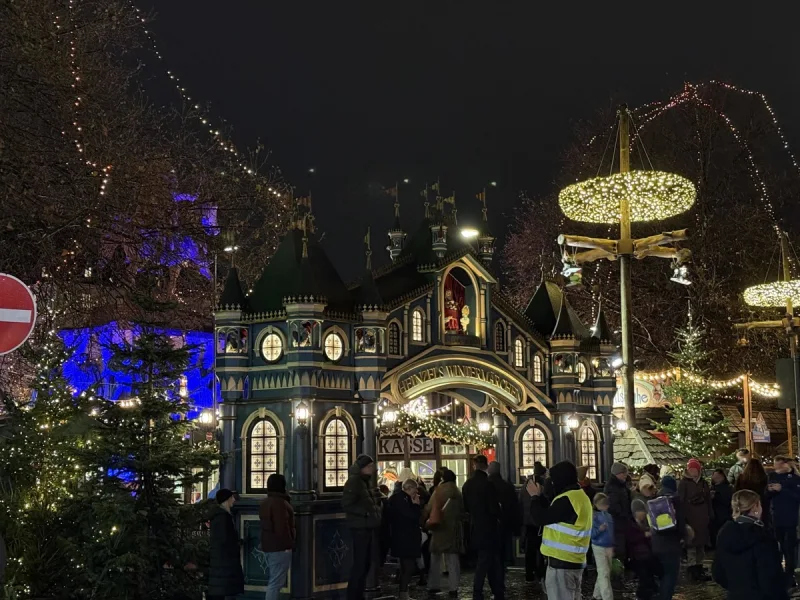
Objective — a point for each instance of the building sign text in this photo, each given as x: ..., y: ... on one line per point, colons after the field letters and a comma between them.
x: 481, y: 374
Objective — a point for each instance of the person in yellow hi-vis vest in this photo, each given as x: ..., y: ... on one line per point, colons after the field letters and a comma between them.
x: 566, y: 533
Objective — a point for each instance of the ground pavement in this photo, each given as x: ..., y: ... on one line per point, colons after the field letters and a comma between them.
x: 517, y: 588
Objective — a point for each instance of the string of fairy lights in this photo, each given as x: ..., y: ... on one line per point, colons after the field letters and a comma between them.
x: 767, y: 390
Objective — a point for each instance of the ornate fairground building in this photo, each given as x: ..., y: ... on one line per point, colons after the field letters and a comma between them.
x: 307, y: 365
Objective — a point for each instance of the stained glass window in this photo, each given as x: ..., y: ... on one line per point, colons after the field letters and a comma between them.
x: 534, y: 448
x: 271, y: 347
x: 394, y: 339
x: 519, y: 354
x: 537, y: 369
x: 334, y: 347
x: 499, y: 338
x: 263, y: 454
x: 417, y: 320
x: 337, y: 453
x: 587, y: 445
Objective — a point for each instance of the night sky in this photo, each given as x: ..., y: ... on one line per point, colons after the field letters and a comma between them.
x: 371, y: 93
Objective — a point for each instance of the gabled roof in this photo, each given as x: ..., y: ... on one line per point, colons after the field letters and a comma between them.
x: 232, y: 294
x: 552, y: 315
x: 289, y: 274
x: 637, y: 448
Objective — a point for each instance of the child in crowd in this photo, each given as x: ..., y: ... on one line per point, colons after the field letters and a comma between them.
x: 641, y: 552
x: 602, y: 547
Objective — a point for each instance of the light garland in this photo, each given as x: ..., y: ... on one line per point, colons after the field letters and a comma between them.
x: 653, y: 195
x: 773, y: 294
x: 768, y: 390
x: 434, y: 427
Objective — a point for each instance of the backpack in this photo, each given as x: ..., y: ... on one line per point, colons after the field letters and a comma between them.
x: 661, y: 513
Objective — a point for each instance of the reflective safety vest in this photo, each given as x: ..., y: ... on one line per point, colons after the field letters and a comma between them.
x: 570, y: 542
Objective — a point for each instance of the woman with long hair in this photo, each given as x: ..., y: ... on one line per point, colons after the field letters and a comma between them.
x: 754, y: 478
x: 748, y: 563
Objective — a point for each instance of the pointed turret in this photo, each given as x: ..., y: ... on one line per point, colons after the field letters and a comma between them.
x: 439, y: 239
x: 601, y: 330
x: 564, y: 326
x: 485, y: 239
x: 232, y: 297
x: 397, y: 236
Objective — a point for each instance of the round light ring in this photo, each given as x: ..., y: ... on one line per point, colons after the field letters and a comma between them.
x: 653, y: 196
x: 773, y: 294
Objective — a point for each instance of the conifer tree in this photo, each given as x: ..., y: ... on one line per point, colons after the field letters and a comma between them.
x: 696, y: 427
x: 137, y: 536
x: 39, y: 474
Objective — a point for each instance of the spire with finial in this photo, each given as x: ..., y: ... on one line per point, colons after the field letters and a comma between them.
x: 396, y: 234
x: 427, y: 204
x: 601, y: 330
x: 486, y: 239
x: 368, y: 250
x: 305, y: 238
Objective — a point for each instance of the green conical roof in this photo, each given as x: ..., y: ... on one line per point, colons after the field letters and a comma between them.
x: 232, y: 294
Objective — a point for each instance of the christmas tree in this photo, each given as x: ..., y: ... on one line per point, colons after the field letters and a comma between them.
x: 39, y: 474
x: 137, y: 536
x: 696, y: 427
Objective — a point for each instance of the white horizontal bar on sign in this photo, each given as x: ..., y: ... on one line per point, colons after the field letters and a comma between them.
x: 15, y: 315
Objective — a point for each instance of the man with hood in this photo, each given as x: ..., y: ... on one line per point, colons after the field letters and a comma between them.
x: 362, y: 506
x: 225, y: 576
x: 567, y: 529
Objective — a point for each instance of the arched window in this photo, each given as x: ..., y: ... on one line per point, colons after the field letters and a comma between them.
x: 538, y: 376
x: 394, y: 339
x: 587, y: 450
x: 337, y: 453
x: 417, y: 321
x: 262, y: 454
x: 519, y: 354
x: 582, y: 371
x: 534, y: 449
x: 499, y: 338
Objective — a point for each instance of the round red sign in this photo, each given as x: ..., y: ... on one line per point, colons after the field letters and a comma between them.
x: 17, y: 313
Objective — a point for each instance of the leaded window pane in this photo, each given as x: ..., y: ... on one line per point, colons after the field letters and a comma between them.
x: 263, y: 453
x: 337, y: 453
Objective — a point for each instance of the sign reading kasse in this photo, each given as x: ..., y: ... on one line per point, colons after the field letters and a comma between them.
x: 409, y: 382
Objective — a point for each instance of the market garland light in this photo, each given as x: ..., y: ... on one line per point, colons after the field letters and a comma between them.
x: 653, y: 196
x: 768, y: 390
x: 773, y: 294
x: 416, y: 424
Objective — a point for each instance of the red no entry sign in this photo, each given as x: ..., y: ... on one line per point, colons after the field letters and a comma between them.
x: 17, y: 313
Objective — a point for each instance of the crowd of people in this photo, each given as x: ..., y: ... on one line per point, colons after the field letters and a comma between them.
x: 644, y: 525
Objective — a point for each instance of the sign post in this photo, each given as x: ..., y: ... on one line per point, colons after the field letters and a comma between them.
x: 17, y: 313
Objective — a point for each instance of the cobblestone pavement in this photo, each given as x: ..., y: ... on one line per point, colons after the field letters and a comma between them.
x: 518, y: 589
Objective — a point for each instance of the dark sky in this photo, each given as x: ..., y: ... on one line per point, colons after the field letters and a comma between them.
x: 370, y: 93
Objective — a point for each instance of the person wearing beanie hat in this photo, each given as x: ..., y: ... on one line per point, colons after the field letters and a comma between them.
x: 278, y: 533
x: 225, y: 576
x: 695, y: 496
x: 619, y: 499
x: 566, y: 533
x: 362, y: 506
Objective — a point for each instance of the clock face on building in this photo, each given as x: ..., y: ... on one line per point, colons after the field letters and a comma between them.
x: 333, y: 346
x: 582, y: 372
x: 271, y: 347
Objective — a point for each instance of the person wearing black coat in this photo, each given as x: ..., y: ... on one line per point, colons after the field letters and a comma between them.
x: 225, y: 576
x: 483, y: 507
x: 747, y: 562
x: 509, y: 508
x: 721, y: 494
x: 619, y: 507
x: 783, y: 492
x: 404, y: 521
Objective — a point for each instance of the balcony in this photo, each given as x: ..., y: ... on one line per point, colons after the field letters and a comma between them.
x: 460, y: 339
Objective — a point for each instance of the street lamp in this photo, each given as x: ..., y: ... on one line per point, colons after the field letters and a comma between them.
x: 206, y: 417
x: 622, y: 425
x: 484, y: 426
x: 389, y: 416
x: 470, y: 233
x: 301, y: 413
x: 573, y: 422
x: 623, y: 198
